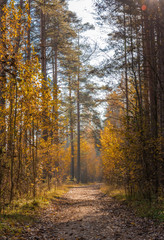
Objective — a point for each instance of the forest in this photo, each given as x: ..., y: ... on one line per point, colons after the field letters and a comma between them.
x: 52, y: 126
x: 46, y: 105
x: 132, y: 143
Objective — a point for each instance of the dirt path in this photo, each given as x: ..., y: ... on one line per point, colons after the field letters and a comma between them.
x: 85, y: 213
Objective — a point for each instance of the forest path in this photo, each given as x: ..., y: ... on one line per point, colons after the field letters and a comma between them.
x: 85, y: 213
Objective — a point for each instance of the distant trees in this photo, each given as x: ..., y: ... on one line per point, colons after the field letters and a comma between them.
x: 137, y: 38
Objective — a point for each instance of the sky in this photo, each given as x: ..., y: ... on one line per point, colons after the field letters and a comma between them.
x: 84, y: 9
x: 86, y: 12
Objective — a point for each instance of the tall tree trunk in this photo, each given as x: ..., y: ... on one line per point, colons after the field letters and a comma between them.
x: 43, y: 65
x: 33, y: 159
x: 13, y: 136
x: 71, y: 131
x: 2, y: 107
x: 150, y: 68
x: 127, y: 183
x: 19, y: 151
x: 43, y: 41
x: 55, y: 95
x: 160, y: 52
x: 78, y: 117
x: 55, y: 104
x: 29, y: 34
x: 126, y: 69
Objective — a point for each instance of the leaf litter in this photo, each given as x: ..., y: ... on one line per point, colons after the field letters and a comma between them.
x: 85, y: 213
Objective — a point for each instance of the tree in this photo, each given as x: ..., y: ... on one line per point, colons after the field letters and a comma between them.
x: 137, y: 32
x: 2, y: 104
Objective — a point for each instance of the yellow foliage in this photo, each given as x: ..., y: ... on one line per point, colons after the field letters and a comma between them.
x: 90, y: 162
x: 111, y: 152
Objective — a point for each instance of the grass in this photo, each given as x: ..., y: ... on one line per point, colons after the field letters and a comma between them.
x: 14, y: 218
x: 113, y: 191
x: 142, y: 207
x: 24, y: 212
x: 153, y: 210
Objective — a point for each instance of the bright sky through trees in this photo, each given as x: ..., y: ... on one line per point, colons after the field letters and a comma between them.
x: 85, y: 11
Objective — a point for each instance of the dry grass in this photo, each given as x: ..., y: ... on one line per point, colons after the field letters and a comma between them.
x: 23, y: 212
x: 113, y: 191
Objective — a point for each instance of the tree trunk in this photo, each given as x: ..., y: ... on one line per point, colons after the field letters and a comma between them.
x: 78, y: 119
x: 44, y: 72
x: 29, y: 34
x: 71, y: 132
x: 2, y: 107
x: 55, y: 95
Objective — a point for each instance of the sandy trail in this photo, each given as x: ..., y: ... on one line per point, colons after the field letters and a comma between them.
x: 85, y: 213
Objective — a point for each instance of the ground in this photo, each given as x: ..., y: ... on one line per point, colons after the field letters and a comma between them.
x: 86, y: 213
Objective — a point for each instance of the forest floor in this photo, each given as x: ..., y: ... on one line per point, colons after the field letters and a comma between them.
x: 85, y: 213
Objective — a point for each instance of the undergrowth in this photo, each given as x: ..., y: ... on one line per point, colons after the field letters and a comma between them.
x: 113, y: 191
x: 142, y: 207
x: 24, y: 212
x: 145, y: 208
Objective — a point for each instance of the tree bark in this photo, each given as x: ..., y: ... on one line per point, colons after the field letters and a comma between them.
x: 71, y: 132
x: 2, y: 104
x: 78, y: 117
x: 43, y: 66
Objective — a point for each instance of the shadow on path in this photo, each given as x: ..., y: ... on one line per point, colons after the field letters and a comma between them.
x: 87, y: 214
